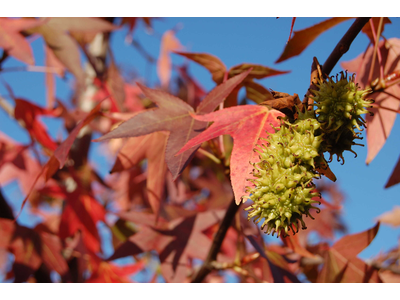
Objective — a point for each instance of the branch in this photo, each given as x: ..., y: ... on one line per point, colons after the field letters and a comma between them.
x: 341, y: 48
x: 207, y: 266
x: 344, y: 44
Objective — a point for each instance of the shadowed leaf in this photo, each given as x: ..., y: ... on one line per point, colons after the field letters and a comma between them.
x: 380, y: 124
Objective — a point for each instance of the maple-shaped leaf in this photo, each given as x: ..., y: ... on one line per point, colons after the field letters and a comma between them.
x: 82, y: 212
x: 391, y: 217
x: 64, y: 46
x: 28, y: 113
x: 152, y: 147
x: 169, y: 43
x: 16, y: 164
x: 341, y: 262
x: 380, y: 124
x: 246, y: 124
x: 30, y: 248
x: 12, y: 41
x: 302, y: 38
x: 173, y: 115
x: 175, y: 241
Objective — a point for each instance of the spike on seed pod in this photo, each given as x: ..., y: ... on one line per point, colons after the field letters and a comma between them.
x: 290, y: 172
x: 339, y: 106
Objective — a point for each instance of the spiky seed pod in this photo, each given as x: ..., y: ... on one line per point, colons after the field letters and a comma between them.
x: 340, y: 105
x: 283, y: 187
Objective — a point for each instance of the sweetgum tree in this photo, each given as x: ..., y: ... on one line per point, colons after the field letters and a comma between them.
x: 190, y: 168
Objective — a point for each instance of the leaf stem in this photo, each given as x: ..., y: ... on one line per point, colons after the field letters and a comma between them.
x: 376, y: 49
x: 209, y: 155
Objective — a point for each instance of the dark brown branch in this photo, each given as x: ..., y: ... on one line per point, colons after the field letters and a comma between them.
x: 341, y: 48
x: 207, y: 266
x: 344, y: 44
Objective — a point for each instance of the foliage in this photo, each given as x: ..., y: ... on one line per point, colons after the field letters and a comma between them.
x: 182, y: 160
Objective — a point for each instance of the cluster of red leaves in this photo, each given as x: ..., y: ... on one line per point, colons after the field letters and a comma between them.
x: 173, y: 176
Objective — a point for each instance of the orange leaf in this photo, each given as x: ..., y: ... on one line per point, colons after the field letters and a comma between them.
x: 210, y: 62
x: 301, y: 39
x: 169, y: 43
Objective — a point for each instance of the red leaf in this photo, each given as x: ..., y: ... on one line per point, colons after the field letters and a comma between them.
x: 292, y: 241
x: 16, y: 164
x: 152, y: 147
x: 210, y: 62
x: 246, y: 124
x: 59, y: 157
x: 341, y: 263
x: 395, y: 176
x: 351, y: 245
x: 302, y: 38
x: 31, y: 247
x: 109, y: 273
x: 28, y: 113
x: 380, y: 124
x: 169, y: 43
x: 173, y: 115
x: 15, y: 43
x: 175, y: 242
x: 82, y: 212
x: 278, y: 267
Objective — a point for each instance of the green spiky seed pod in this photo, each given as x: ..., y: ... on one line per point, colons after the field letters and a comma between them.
x: 283, y: 187
x: 340, y: 105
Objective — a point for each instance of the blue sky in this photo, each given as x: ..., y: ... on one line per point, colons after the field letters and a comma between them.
x: 236, y: 41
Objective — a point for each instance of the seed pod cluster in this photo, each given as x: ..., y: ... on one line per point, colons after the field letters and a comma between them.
x: 340, y: 105
x: 282, y: 189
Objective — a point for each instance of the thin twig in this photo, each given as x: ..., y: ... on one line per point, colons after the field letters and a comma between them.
x: 344, y: 44
x: 207, y: 266
x: 341, y: 48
